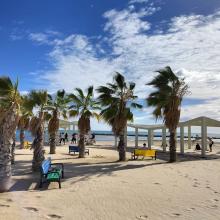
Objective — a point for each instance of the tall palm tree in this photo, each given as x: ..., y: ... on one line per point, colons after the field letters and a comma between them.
x: 59, y: 106
x: 24, y: 120
x: 37, y: 101
x: 117, y: 99
x: 9, y: 109
x: 84, y: 106
x: 166, y: 100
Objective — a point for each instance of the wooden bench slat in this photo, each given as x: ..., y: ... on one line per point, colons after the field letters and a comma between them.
x: 144, y: 153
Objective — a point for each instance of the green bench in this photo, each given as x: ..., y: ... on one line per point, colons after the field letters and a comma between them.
x: 51, y: 172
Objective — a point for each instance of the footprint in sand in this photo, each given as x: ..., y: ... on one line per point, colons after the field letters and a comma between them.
x: 9, y: 200
x: 142, y: 217
x: 31, y: 209
x: 55, y: 216
x: 3, y: 205
x: 214, y: 206
x: 124, y: 182
x: 176, y: 214
x: 190, y: 209
x: 157, y: 183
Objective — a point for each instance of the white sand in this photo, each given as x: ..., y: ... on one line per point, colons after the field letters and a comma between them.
x: 101, y: 189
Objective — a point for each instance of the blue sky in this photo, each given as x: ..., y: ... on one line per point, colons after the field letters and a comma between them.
x: 65, y: 44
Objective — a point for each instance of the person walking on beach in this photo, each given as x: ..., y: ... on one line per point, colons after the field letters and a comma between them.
x: 66, y: 137
x: 62, y: 138
x: 73, y: 141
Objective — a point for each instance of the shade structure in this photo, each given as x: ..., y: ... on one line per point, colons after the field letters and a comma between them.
x: 203, y: 122
x: 66, y: 125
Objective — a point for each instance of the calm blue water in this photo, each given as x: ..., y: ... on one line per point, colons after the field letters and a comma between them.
x: 108, y: 135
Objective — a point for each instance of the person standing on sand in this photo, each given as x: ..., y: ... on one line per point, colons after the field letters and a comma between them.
x: 210, y: 144
x: 73, y: 141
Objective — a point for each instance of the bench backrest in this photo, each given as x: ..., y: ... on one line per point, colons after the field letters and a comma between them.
x: 45, y: 166
x: 27, y: 144
x: 74, y: 148
x: 145, y: 152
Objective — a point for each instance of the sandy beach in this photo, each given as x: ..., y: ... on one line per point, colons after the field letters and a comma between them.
x: 100, y: 188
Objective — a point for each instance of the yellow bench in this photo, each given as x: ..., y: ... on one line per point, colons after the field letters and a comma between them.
x: 27, y: 144
x: 144, y: 153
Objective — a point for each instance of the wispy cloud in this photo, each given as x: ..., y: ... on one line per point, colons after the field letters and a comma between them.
x: 137, y: 1
x: 46, y: 37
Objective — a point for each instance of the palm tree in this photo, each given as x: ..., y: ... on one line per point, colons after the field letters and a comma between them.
x: 167, y: 99
x: 9, y: 109
x: 37, y: 101
x: 117, y: 100
x: 24, y: 120
x: 58, y: 105
x: 84, y: 106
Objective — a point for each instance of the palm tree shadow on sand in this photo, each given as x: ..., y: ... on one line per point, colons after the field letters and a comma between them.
x: 26, y: 180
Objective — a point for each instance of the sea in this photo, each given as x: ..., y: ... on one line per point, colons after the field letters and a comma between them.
x: 109, y: 136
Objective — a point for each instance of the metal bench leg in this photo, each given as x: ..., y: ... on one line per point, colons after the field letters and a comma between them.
x: 59, y: 184
x: 41, y: 182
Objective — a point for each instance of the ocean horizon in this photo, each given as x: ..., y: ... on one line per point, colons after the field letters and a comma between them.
x: 101, y: 135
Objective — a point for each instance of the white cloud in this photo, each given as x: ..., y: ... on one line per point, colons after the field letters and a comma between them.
x: 138, y: 1
x: 190, y: 45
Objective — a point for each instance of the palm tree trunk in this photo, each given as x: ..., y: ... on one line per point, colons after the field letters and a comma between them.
x: 53, y: 143
x: 22, y: 138
x: 7, y: 130
x: 13, y: 149
x: 121, y: 148
x: 172, y: 146
x: 81, y: 146
x: 38, y: 147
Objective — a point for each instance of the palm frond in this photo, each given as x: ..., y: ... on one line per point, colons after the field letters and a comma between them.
x: 120, y: 80
x: 73, y: 113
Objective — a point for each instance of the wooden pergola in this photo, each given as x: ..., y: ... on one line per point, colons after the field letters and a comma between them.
x: 66, y: 125
x: 203, y: 122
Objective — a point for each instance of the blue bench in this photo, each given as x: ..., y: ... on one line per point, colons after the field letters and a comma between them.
x: 51, y: 172
x: 75, y: 149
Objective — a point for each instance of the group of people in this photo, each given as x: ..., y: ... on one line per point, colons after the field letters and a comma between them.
x: 64, y: 137
x: 211, y: 142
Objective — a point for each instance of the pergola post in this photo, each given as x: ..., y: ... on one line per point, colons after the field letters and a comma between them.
x: 189, y: 137
x: 182, y: 139
x: 152, y: 137
x: 149, y: 138
x: 136, y: 137
x: 116, y: 144
x: 204, y: 137
x: 164, y: 141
